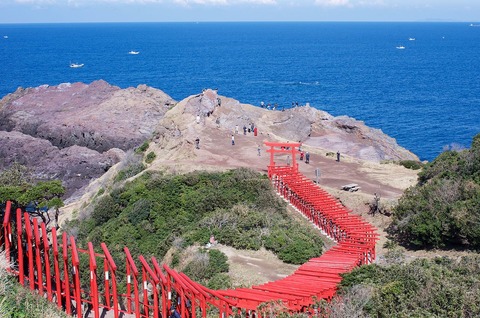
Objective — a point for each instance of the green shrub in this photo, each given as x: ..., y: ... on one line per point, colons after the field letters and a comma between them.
x: 206, y: 264
x: 423, y: 288
x: 444, y: 208
x: 100, y: 192
x: 129, y: 171
x: 150, y: 157
x: 219, y: 281
x: 218, y: 261
x: 105, y: 210
x: 143, y: 147
x: 411, y: 164
x: 238, y: 207
x: 293, y: 243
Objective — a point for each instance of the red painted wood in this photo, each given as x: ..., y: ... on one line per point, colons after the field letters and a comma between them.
x: 46, y: 262
x: 76, y: 277
x: 93, y: 281
x: 6, y: 228
x: 110, y: 275
x: 21, y: 269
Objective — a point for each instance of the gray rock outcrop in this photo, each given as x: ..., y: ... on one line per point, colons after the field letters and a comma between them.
x: 76, y: 132
x: 305, y: 124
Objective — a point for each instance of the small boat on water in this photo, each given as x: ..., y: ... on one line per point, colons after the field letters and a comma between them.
x: 134, y: 52
x: 474, y: 25
x: 400, y: 47
x: 75, y: 65
x: 411, y: 39
x: 5, y: 36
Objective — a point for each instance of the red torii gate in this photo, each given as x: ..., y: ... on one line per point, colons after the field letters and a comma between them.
x: 282, y: 148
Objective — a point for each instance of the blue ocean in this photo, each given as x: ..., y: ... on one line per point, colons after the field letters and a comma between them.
x: 417, y: 82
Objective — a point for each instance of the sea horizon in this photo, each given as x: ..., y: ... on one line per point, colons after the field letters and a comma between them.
x: 416, y: 81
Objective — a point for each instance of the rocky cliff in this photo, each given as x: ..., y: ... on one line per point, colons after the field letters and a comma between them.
x: 76, y: 132
x: 220, y: 115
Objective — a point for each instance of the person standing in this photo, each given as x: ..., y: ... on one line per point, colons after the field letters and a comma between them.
x: 233, y: 140
x: 197, y: 143
x: 198, y: 119
x: 338, y: 156
x: 236, y: 129
x: 307, y: 157
x: 258, y: 150
x: 174, y: 313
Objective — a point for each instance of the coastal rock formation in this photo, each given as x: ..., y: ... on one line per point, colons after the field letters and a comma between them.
x: 76, y: 132
x: 98, y: 116
x: 75, y: 165
x: 305, y: 124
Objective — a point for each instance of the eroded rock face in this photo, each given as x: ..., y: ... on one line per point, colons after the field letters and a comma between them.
x: 98, y: 116
x: 75, y: 165
x: 76, y: 132
x: 310, y: 126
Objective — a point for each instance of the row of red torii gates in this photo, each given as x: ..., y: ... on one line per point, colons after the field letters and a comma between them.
x: 50, y: 264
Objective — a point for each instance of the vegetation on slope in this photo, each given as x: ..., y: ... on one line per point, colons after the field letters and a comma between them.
x: 18, y: 185
x: 423, y: 288
x: 154, y: 212
x: 18, y: 302
x: 444, y: 208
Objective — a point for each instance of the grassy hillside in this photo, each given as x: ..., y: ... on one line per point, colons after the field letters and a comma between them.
x: 443, y: 210
x: 424, y: 288
x: 155, y: 212
x: 18, y: 302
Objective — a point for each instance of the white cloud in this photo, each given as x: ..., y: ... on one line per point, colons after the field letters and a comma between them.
x: 350, y: 3
x: 268, y: 2
x: 187, y: 3
x: 333, y: 3
x: 372, y: 3
x: 35, y: 2
x: 78, y: 3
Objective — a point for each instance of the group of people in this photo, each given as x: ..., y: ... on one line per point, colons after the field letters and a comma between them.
x: 250, y: 129
x: 275, y: 106
x: 271, y: 107
x: 307, y: 156
x: 246, y: 129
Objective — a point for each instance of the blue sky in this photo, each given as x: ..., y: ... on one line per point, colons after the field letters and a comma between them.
x: 33, y: 11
